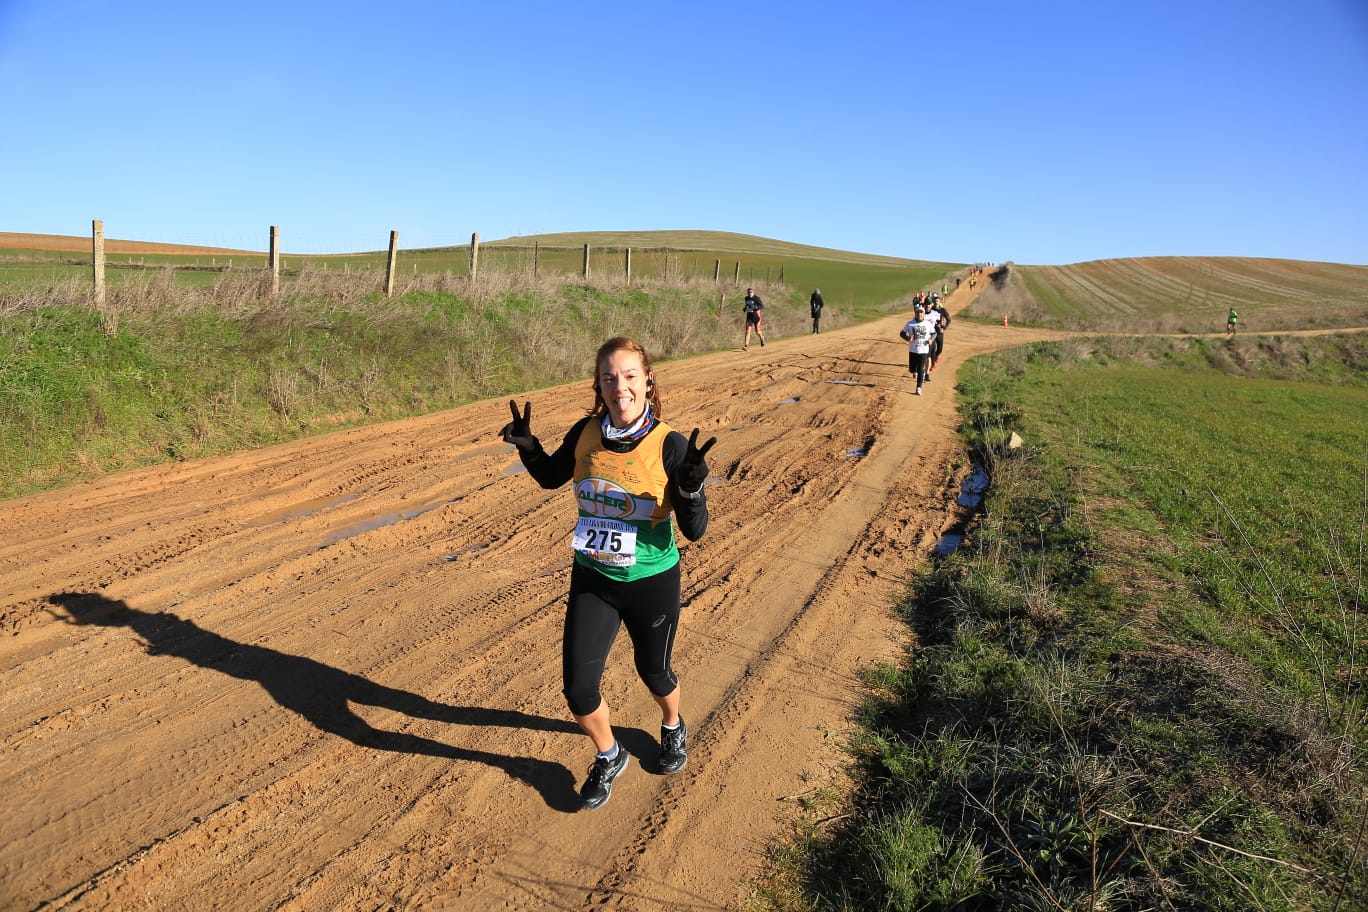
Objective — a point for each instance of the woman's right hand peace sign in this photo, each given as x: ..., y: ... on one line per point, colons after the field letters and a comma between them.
x: 519, y: 431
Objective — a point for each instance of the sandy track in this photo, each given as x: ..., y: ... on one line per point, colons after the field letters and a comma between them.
x: 325, y: 675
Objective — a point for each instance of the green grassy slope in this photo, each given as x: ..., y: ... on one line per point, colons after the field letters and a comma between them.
x: 92, y: 389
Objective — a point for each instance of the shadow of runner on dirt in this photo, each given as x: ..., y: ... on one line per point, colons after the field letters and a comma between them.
x: 319, y: 692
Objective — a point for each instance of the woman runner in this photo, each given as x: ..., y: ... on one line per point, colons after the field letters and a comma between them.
x: 631, y: 472
x: 753, y: 308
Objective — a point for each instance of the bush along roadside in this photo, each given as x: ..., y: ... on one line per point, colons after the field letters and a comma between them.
x: 1065, y: 736
x: 163, y: 371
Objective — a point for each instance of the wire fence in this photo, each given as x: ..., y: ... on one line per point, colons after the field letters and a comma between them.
x: 611, y: 263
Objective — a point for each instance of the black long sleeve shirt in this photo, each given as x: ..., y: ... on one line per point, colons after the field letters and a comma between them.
x: 551, y: 470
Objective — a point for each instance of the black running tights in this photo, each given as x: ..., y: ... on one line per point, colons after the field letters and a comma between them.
x: 597, y: 607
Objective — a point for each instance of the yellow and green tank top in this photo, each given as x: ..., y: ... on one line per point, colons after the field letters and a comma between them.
x: 627, y: 492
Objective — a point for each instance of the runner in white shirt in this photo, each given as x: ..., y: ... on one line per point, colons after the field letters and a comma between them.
x: 918, y: 332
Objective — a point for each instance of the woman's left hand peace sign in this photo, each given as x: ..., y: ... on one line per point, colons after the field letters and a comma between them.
x: 693, y: 471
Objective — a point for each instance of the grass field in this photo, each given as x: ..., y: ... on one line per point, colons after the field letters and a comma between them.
x: 1141, y: 685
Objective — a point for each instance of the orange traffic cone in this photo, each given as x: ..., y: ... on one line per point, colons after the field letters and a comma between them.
x: 1004, y: 320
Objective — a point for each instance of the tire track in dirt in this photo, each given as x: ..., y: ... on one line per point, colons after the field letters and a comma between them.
x: 326, y: 674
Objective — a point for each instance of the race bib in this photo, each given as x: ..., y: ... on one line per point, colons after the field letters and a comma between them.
x: 609, y: 541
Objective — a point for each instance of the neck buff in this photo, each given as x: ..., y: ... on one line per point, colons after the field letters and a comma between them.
x: 633, y: 432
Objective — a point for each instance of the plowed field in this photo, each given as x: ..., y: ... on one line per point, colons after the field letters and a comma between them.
x: 64, y: 243
x: 326, y: 675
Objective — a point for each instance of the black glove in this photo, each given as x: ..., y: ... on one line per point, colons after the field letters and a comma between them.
x: 693, y: 471
x: 519, y: 431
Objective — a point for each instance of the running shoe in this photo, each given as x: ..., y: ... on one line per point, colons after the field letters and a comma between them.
x: 598, y: 788
x: 919, y: 391
x: 673, y: 755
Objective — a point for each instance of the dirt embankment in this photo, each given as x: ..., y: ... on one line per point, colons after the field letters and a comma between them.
x: 326, y: 675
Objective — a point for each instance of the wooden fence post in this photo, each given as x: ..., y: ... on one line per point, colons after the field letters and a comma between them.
x: 717, y: 270
x: 586, y: 261
x: 536, y: 258
x: 475, y: 254
x: 389, y: 267
x: 273, y: 261
x: 97, y: 260
x: 736, y: 279
x: 627, y: 265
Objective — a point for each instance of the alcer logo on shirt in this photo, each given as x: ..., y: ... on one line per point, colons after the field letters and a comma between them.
x: 600, y: 497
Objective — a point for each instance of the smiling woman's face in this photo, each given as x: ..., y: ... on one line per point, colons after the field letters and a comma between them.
x: 623, y: 384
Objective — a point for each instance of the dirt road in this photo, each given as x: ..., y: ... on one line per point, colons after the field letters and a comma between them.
x: 326, y: 675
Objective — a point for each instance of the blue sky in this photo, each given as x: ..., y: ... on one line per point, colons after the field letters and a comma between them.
x: 1041, y: 132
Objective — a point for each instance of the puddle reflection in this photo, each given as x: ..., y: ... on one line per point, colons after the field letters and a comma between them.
x: 379, y: 522
x: 972, y: 490
x: 948, y: 545
x: 471, y: 549
x: 298, y: 510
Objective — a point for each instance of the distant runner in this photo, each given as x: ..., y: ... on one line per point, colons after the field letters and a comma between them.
x: 1231, y: 319
x: 752, y: 309
x: 815, y: 305
x: 631, y: 471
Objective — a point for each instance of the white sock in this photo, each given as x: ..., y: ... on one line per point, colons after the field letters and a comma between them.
x: 671, y: 727
x: 611, y: 753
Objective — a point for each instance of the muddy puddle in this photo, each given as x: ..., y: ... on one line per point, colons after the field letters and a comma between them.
x: 379, y: 522
x: 972, y: 491
x: 300, y: 510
